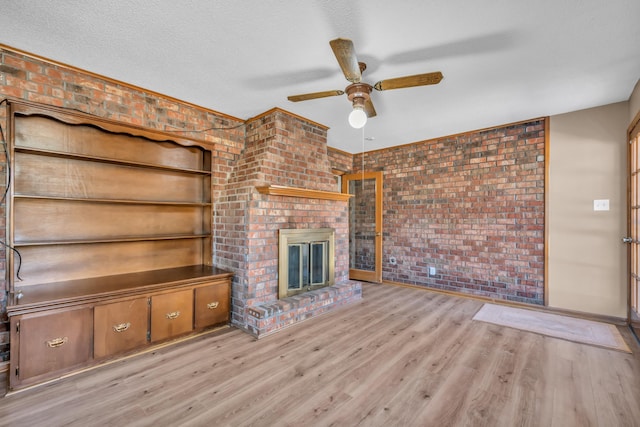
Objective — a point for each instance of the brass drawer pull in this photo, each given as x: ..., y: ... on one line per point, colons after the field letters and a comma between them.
x: 121, y: 327
x: 173, y: 315
x: 57, y: 342
x: 213, y: 305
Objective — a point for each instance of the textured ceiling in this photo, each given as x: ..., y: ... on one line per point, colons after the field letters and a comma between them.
x: 502, y: 60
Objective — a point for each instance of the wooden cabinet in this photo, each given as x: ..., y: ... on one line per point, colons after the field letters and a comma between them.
x: 51, y: 342
x: 136, y: 312
x: 110, y: 227
x: 120, y: 326
x: 171, y: 314
x: 211, y: 305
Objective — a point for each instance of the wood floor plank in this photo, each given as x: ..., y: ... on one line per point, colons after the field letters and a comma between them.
x: 399, y: 357
x: 518, y: 406
x: 607, y: 388
x: 573, y: 400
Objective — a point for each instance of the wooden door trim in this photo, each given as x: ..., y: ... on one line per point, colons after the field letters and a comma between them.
x: 547, y: 163
x: 633, y: 132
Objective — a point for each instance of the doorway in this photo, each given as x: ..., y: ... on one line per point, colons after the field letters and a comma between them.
x: 365, y: 225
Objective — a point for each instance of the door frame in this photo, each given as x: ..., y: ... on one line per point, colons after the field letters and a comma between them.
x: 376, y: 275
x: 633, y: 221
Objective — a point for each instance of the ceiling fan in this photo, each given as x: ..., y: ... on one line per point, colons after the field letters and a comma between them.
x: 358, y: 91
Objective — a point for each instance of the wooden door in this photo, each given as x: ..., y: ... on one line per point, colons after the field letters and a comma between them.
x: 53, y: 342
x: 171, y: 314
x: 211, y: 305
x: 120, y: 326
x: 365, y: 225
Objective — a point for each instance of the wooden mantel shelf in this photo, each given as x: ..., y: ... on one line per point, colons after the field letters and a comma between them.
x: 279, y: 190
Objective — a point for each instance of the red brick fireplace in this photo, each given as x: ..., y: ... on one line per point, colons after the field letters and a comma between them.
x: 282, y: 180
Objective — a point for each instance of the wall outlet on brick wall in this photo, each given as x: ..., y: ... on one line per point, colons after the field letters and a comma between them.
x: 432, y: 271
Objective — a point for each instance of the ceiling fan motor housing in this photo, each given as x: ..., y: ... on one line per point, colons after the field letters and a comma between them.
x: 358, y: 93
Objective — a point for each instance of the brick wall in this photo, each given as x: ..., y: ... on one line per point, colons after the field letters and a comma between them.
x: 340, y: 160
x: 28, y: 77
x: 470, y: 205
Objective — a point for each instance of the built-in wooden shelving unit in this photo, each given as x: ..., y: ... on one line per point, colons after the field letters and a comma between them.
x: 110, y: 226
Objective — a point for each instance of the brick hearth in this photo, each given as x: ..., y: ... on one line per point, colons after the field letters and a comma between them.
x: 263, y: 319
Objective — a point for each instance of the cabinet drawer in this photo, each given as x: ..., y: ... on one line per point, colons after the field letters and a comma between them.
x: 120, y: 326
x: 171, y: 314
x: 211, y: 305
x: 54, y: 342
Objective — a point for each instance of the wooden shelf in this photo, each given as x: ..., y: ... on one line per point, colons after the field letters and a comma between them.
x: 278, y: 190
x: 110, y: 240
x: 84, y: 157
x: 90, y: 198
x: 112, y: 201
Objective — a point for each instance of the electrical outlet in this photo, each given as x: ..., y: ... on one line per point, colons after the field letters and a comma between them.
x: 432, y: 271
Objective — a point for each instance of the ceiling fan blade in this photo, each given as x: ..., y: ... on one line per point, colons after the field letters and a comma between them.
x: 368, y: 108
x: 409, y: 81
x: 315, y: 95
x: 346, y: 55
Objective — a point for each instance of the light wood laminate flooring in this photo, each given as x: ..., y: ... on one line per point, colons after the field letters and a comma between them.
x: 400, y: 357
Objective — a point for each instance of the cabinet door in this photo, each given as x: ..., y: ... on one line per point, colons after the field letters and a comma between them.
x: 54, y: 342
x: 120, y: 326
x: 211, y: 305
x: 171, y: 314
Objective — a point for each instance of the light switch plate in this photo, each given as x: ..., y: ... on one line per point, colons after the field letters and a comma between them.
x: 601, y: 205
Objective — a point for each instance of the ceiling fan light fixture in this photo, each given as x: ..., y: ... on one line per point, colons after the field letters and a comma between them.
x: 358, y: 92
x: 357, y: 117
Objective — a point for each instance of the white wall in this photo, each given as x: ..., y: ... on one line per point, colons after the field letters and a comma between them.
x: 587, y: 263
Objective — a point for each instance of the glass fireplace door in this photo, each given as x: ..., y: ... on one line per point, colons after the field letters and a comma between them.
x: 308, y: 266
x: 306, y: 260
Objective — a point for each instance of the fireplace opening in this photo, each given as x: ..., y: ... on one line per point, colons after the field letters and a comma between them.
x: 306, y: 260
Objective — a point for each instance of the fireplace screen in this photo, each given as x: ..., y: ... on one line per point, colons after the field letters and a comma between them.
x: 305, y: 260
x: 308, y: 265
